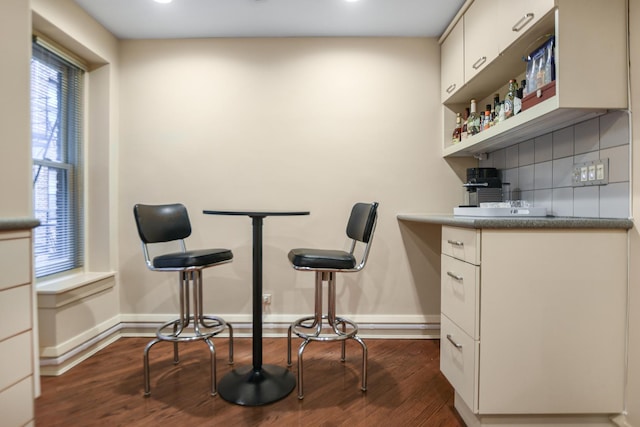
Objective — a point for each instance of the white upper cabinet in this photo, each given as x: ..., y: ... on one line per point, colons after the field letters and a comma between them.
x: 517, y: 16
x: 591, y: 65
x: 452, y: 62
x: 480, y: 36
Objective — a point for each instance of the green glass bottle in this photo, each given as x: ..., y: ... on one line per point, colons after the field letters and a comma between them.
x: 473, y: 122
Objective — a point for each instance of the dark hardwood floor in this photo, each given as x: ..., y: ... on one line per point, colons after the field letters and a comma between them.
x: 405, y: 387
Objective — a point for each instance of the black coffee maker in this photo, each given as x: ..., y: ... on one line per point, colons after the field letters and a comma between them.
x: 483, y: 185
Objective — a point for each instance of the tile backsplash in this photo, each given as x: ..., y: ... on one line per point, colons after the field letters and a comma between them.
x: 540, y: 170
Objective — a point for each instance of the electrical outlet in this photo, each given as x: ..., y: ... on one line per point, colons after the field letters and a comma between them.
x: 266, y: 299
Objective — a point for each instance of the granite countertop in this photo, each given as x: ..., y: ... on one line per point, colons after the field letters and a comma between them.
x: 26, y: 223
x: 518, y: 222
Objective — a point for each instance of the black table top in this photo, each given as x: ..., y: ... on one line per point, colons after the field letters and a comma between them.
x: 256, y: 213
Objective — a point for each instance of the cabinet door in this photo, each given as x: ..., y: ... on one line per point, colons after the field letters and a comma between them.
x: 517, y: 16
x: 452, y: 62
x: 552, y: 321
x: 480, y: 36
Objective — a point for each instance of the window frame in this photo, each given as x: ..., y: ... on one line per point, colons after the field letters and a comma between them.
x: 67, y: 206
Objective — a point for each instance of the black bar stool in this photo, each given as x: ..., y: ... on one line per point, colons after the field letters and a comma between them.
x: 326, y: 263
x: 159, y: 224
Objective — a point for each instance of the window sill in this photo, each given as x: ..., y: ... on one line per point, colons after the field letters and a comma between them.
x: 61, y: 291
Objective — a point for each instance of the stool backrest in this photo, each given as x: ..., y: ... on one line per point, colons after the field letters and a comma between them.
x: 360, y: 228
x: 162, y: 223
x: 362, y: 221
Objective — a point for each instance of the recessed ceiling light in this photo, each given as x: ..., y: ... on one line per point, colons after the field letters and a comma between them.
x: 163, y: 1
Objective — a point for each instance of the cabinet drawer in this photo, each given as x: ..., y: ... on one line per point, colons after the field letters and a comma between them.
x: 459, y: 361
x: 15, y: 262
x: 461, y: 243
x: 15, y: 311
x: 460, y: 283
x: 15, y: 356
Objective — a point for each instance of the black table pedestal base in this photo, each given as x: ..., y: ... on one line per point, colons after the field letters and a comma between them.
x: 249, y: 387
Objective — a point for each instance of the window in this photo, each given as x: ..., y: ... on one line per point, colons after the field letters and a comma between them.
x: 56, y: 144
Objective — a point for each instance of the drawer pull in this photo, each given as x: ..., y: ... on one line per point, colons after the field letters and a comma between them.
x: 455, y: 344
x: 451, y: 88
x: 523, y: 22
x: 455, y: 242
x: 455, y: 276
x: 479, y: 62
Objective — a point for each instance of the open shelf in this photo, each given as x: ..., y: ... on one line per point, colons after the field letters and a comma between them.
x: 542, y: 118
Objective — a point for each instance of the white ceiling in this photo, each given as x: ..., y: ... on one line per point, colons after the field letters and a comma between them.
x: 143, y: 19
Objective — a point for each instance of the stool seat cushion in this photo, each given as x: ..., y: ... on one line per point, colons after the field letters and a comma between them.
x: 197, y: 258
x: 322, y: 258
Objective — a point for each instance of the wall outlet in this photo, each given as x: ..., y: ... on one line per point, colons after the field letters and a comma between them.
x: 266, y: 299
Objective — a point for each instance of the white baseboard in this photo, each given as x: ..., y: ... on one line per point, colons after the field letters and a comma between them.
x: 56, y: 362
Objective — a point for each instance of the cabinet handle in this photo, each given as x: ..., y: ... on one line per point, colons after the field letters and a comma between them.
x: 455, y: 242
x: 523, y: 22
x: 451, y: 88
x: 479, y: 62
x: 455, y: 276
x: 455, y: 344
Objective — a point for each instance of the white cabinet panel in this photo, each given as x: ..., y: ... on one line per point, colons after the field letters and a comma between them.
x: 461, y: 243
x: 15, y: 262
x: 16, y: 404
x: 459, y: 360
x: 15, y: 312
x: 517, y: 16
x: 452, y: 61
x: 480, y: 37
x: 552, y: 318
x: 15, y: 354
x: 459, y: 293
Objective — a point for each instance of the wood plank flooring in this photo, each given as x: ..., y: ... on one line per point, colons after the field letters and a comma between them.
x: 405, y: 387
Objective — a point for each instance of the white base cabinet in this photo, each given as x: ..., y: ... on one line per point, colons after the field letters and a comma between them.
x: 17, y: 383
x: 533, y: 322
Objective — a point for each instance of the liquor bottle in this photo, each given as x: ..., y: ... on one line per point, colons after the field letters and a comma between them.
x: 465, y: 118
x: 486, y: 120
x: 520, y: 95
x: 494, y: 111
x: 473, y: 122
x: 457, y: 131
x: 509, y: 99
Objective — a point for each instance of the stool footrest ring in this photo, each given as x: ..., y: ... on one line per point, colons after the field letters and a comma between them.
x: 317, y: 335
x: 211, y: 330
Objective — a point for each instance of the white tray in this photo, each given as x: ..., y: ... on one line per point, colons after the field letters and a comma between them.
x: 531, y: 211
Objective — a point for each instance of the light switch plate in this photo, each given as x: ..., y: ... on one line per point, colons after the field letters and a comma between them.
x: 595, y: 172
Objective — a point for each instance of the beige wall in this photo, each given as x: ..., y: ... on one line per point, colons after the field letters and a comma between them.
x: 313, y: 124
x: 15, y: 130
x: 633, y: 377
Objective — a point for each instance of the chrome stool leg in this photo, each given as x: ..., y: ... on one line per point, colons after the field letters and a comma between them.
x: 364, y: 362
x: 312, y: 332
x: 212, y: 349
x: 300, y: 383
x: 145, y: 362
x: 190, y: 280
